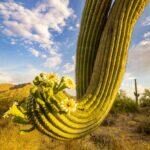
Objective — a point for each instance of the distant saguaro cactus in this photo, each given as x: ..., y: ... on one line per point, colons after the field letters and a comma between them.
x: 102, y: 49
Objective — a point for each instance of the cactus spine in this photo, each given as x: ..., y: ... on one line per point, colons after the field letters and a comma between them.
x: 102, y: 50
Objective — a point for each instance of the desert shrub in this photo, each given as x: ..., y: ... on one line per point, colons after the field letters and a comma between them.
x: 107, y: 141
x: 144, y: 127
x: 145, y: 99
x: 109, y: 121
x: 4, y: 106
x: 124, y: 104
x: 4, y: 123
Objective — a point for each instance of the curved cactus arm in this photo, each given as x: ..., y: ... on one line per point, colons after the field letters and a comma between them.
x: 24, y: 131
x: 56, y: 114
x: 93, y: 21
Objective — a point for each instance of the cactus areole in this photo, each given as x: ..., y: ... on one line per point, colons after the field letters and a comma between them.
x: 102, y: 50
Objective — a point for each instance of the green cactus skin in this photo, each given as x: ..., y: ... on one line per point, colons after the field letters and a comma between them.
x: 102, y: 51
x: 93, y: 22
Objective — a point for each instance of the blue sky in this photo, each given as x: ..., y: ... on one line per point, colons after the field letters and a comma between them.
x: 41, y: 35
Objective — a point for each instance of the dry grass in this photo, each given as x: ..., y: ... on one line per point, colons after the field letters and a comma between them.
x: 119, y: 132
x: 11, y: 139
x: 5, y: 87
x: 15, y: 93
x: 114, y: 137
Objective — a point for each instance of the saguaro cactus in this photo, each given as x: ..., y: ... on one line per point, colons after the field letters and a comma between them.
x: 102, y: 50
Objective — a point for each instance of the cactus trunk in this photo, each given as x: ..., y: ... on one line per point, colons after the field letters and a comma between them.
x: 102, y: 50
x: 101, y: 59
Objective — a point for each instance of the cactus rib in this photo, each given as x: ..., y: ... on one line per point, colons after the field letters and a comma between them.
x: 102, y: 51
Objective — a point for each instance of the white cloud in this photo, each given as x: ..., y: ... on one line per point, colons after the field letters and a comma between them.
x: 139, y: 58
x: 69, y: 67
x: 34, y: 52
x: 5, y: 77
x: 37, y: 53
x: 68, y: 43
x: 128, y: 85
x: 17, y: 77
x: 128, y: 76
x: 138, y: 67
x: 43, y: 56
x: 77, y: 25
x: 147, y: 35
x: 36, y: 25
x: 53, y: 61
x: 71, y: 28
x: 13, y: 41
x: 146, y: 22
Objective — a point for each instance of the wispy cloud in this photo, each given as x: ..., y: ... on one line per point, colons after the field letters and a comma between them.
x: 36, y: 25
x: 71, y: 28
x: 17, y: 77
x: 13, y: 42
x: 139, y: 58
x: 5, y: 77
x: 138, y: 66
x: 34, y: 52
x: 146, y: 22
x: 74, y: 28
x: 128, y: 85
x: 69, y: 67
x: 77, y: 25
x: 53, y: 61
x: 147, y: 35
x: 37, y: 53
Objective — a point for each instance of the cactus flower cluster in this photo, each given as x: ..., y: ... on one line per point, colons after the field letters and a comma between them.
x: 47, y: 90
x: 102, y: 50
